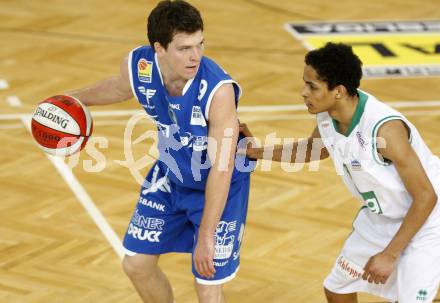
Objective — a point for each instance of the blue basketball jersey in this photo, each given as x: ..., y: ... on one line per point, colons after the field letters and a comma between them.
x: 182, y: 121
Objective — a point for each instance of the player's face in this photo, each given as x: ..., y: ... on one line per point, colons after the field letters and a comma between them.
x: 315, y: 92
x: 184, y: 54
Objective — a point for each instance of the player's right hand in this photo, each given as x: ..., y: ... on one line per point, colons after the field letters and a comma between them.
x: 379, y: 267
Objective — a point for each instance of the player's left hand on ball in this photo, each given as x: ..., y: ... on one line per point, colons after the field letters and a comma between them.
x: 378, y: 268
x: 204, y: 256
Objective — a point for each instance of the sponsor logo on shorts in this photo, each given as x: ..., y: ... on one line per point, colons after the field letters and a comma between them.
x: 422, y: 295
x: 240, y: 240
x: 348, y: 268
x: 146, y: 222
x: 143, y: 234
x: 224, y: 239
x: 145, y: 228
x: 152, y: 204
x: 221, y: 264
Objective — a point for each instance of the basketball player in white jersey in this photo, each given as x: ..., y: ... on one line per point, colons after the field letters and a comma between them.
x: 394, y: 249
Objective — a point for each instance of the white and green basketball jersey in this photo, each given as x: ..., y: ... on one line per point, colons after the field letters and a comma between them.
x: 374, y: 180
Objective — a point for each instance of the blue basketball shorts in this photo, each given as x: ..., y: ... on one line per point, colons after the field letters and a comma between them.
x: 167, y: 218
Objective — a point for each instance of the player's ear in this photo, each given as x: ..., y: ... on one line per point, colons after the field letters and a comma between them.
x: 158, y: 48
x: 339, y: 91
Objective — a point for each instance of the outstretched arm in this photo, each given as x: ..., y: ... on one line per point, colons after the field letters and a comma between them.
x: 414, y: 177
x: 112, y: 90
x: 313, y: 148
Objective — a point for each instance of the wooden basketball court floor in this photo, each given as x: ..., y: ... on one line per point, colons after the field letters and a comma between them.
x: 51, y: 249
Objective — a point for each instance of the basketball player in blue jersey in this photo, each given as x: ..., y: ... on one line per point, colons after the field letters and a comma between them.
x: 193, y: 200
x: 394, y: 249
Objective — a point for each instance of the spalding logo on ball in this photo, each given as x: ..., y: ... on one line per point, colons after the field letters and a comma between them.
x: 61, y: 125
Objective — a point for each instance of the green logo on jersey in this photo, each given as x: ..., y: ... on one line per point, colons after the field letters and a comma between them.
x: 422, y: 295
x: 372, y: 202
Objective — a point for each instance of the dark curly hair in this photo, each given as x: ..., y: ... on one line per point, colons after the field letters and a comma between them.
x: 171, y: 17
x: 336, y: 64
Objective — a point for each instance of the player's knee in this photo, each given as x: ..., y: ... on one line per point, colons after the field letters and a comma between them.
x: 328, y: 295
x: 209, y: 293
x: 340, y: 298
x: 139, y: 266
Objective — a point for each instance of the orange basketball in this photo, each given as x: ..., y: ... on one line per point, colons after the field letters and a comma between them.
x: 61, y: 125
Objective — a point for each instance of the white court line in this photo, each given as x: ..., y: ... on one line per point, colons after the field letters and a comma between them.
x: 4, y: 84
x: 283, y: 117
x: 120, y: 122
x: 83, y: 197
x: 269, y: 108
x: 242, y: 109
x: 13, y: 101
x: 291, y: 117
x: 13, y: 116
x: 261, y: 117
x: 300, y: 107
x: 116, y: 113
x: 11, y: 126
